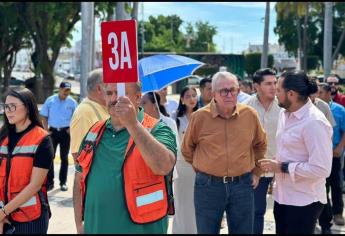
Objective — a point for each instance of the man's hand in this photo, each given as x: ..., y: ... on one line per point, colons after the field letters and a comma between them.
x: 338, y: 150
x: 80, y: 228
x: 269, y: 165
x: 125, y: 111
x: 255, y: 181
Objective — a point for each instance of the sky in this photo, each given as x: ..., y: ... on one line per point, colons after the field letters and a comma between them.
x: 238, y: 23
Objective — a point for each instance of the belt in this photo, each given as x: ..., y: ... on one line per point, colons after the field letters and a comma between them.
x: 59, y: 129
x: 226, y: 179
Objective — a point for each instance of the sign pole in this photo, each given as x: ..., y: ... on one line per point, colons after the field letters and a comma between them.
x: 121, y: 90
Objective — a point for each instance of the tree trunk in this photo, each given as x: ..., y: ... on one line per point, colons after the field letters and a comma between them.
x: 7, y: 77
x: 120, y: 11
x: 327, y: 43
x: 264, y: 55
x: 305, y: 38
x: 340, y: 42
x: 299, y: 37
x: 135, y: 9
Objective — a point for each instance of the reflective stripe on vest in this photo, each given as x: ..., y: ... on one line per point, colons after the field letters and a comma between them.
x: 3, y: 150
x: 24, y: 149
x: 31, y: 202
x: 91, y: 137
x: 149, y: 198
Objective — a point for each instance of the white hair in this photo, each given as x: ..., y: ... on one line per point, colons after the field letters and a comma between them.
x: 95, y: 78
x: 222, y: 75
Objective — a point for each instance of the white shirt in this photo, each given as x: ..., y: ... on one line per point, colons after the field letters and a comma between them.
x: 269, y: 121
x: 304, y: 139
x: 171, y: 106
x: 181, y: 131
x: 242, y: 96
x: 172, y: 125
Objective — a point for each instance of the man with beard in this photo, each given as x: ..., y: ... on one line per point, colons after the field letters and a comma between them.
x: 120, y: 184
x: 303, y: 159
x: 337, y: 97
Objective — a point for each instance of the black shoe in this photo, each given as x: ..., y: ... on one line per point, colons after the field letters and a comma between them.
x: 63, y: 187
x: 49, y: 187
x: 326, y: 231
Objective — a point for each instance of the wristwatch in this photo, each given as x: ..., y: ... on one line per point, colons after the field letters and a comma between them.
x: 2, y: 207
x: 285, y: 167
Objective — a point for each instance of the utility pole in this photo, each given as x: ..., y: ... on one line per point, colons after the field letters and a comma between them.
x: 87, y: 18
x: 264, y: 55
x: 142, y: 30
x: 120, y: 11
x: 327, y: 40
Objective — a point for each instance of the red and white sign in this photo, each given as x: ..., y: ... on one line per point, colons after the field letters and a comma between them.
x: 120, y: 51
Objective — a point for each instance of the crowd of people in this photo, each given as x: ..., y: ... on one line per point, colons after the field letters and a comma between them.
x: 142, y: 157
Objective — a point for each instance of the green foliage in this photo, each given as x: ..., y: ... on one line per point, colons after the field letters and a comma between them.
x: 286, y: 26
x: 13, y: 38
x: 202, y: 39
x: 252, y: 62
x: 163, y: 34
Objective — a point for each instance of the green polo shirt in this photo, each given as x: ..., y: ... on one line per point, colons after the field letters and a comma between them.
x: 105, y: 206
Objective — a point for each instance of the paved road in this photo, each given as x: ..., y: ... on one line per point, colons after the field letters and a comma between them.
x: 62, y: 221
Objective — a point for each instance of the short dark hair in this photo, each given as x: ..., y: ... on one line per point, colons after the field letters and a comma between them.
x: 325, y: 87
x: 258, y: 76
x: 203, y: 82
x: 299, y: 82
x: 247, y: 83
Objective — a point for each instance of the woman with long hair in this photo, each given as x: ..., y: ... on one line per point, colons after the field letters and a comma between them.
x: 26, y: 154
x: 184, y: 218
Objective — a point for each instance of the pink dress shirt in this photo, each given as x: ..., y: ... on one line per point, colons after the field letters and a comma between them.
x: 304, y: 139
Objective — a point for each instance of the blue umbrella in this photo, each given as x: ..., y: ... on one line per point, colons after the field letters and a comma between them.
x: 159, y: 71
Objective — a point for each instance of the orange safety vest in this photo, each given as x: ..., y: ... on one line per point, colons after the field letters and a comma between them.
x: 15, y: 175
x: 145, y: 193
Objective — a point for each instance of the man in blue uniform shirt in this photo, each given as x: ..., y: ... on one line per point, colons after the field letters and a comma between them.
x: 56, y: 115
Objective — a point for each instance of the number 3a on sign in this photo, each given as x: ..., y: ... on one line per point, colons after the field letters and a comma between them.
x: 124, y: 52
x: 119, y: 51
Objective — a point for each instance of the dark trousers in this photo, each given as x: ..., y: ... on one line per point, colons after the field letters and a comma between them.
x: 212, y: 197
x: 39, y: 226
x: 63, y: 138
x: 296, y: 219
x: 260, y: 194
x: 333, y: 183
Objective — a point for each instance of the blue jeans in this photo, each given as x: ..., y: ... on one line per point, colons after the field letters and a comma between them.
x: 212, y: 197
x: 260, y: 204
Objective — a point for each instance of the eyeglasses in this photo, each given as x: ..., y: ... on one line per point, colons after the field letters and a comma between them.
x: 225, y: 91
x: 11, y: 107
x: 332, y: 83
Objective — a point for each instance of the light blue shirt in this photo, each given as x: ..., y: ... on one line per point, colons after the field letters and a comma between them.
x: 338, y: 112
x: 242, y: 96
x: 59, y: 112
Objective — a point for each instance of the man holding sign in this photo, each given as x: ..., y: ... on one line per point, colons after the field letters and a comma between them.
x: 120, y: 182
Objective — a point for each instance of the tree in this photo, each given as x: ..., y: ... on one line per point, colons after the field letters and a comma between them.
x: 50, y: 25
x: 163, y: 34
x: 13, y: 38
x: 311, y: 18
x: 202, y: 37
